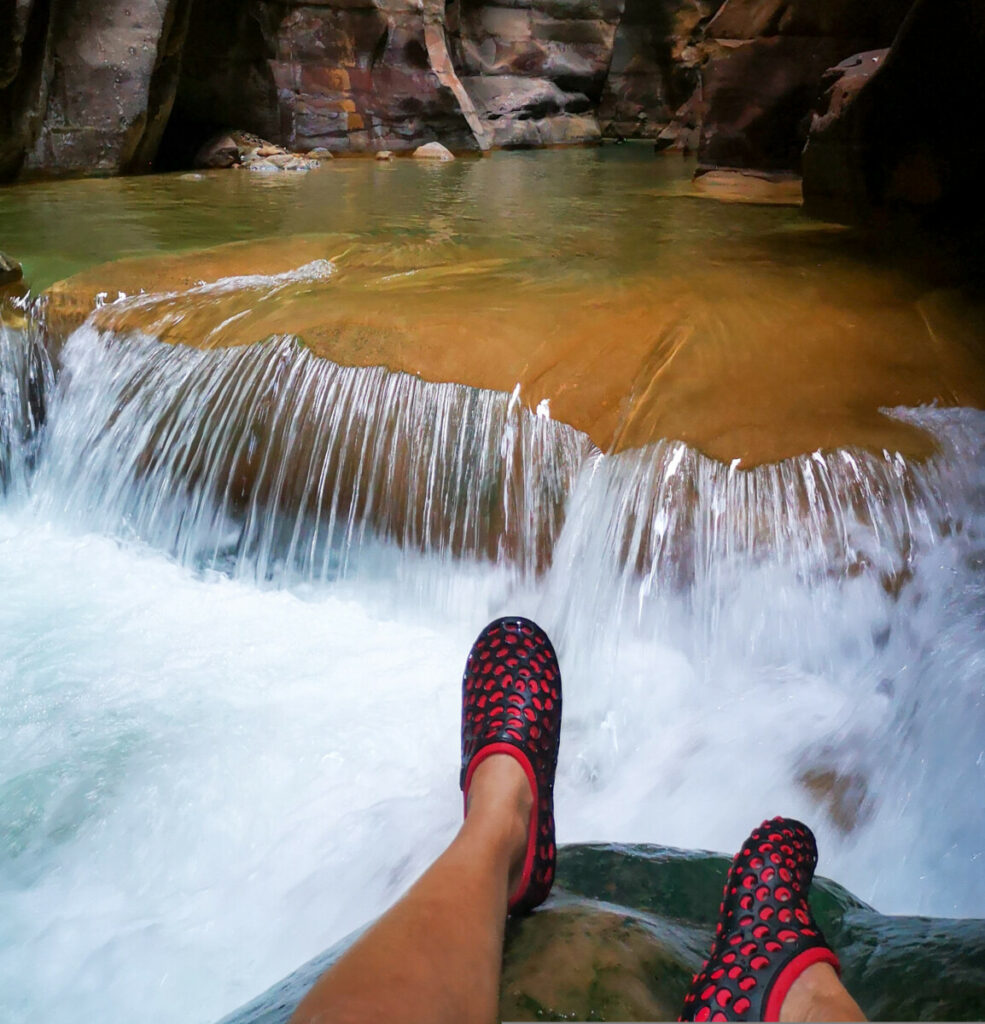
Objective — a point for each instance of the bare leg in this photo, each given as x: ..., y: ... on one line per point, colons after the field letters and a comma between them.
x: 817, y: 995
x: 437, y: 954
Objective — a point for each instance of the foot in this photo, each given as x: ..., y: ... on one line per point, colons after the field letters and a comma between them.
x: 511, y: 705
x: 766, y: 938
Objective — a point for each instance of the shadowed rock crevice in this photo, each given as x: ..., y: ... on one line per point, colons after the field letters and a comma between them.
x: 894, y: 134
x: 23, y: 35
x: 225, y: 80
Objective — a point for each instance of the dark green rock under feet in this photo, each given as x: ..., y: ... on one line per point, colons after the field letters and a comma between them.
x: 627, y: 926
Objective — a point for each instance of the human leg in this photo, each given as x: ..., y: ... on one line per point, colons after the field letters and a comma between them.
x: 436, y: 955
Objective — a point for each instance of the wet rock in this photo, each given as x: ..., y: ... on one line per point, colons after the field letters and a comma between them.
x: 319, y: 153
x: 10, y: 270
x: 384, y: 154
x: 731, y: 385
x: 219, y: 151
x: 627, y: 925
x: 433, y: 151
x: 757, y: 187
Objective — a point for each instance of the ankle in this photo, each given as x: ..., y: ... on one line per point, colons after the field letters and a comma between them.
x: 818, y: 995
x: 500, y: 803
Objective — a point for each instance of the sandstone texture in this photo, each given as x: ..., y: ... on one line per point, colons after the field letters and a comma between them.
x: 655, y: 69
x: 764, y: 67
x: 896, y: 131
x: 702, y: 356
x: 114, y: 86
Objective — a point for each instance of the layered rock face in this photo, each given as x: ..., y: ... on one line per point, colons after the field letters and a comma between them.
x: 656, y: 66
x: 896, y: 131
x: 346, y: 76
x: 765, y: 63
x: 89, y: 86
x: 534, y: 70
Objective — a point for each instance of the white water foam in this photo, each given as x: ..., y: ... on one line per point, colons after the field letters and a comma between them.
x: 204, y: 782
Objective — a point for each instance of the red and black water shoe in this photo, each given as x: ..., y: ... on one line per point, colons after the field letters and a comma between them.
x: 511, y: 704
x: 766, y: 936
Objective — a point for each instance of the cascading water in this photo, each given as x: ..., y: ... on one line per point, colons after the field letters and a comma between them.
x: 25, y: 381
x: 205, y: 781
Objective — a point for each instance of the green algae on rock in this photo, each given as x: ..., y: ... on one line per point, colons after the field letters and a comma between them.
x: 627, y: 925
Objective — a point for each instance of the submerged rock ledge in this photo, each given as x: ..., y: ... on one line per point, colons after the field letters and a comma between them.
x: 628, y: 925
x: 734, y: 357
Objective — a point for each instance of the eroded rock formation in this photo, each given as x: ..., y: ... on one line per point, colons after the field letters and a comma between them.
x: 765, y: 62
x: 114, y: 86
x: 897, y: 132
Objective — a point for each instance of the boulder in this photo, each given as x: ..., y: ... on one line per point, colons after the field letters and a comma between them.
x: 896, y: 133
x: 219, y: 151
x: 10, y: 270
x: 627, y: 926
x: 433, y: 151
x: 383, y: 155
x: 319, y: 153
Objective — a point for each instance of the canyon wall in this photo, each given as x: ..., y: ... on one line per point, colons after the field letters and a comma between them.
x: 118, y: 86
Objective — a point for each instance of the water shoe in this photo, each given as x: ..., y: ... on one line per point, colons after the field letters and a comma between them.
x: 511, y: 704
x: 766, y: 936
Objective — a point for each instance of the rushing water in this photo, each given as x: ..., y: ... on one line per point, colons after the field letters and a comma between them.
x: 239, y: 588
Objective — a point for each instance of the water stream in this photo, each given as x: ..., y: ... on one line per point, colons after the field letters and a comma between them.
x: 239, y: 588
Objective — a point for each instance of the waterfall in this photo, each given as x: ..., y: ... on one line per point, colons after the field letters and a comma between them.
x: 262, y: 725
x: 25, y: 381
x: 272, y: 464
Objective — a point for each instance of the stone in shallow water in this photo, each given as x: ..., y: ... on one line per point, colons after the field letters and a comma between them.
x: 10, y: 270
x: 433, y: 151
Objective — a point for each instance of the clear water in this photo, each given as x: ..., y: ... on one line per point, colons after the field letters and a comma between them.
x: 232, y: 642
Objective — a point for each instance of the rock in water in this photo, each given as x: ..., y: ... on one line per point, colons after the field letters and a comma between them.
x: 433, y: 151
x: 320, y: 153
x: 10, y: 270
x: 628, y: 925
x: 384, y: 154
x: 219, y: 151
